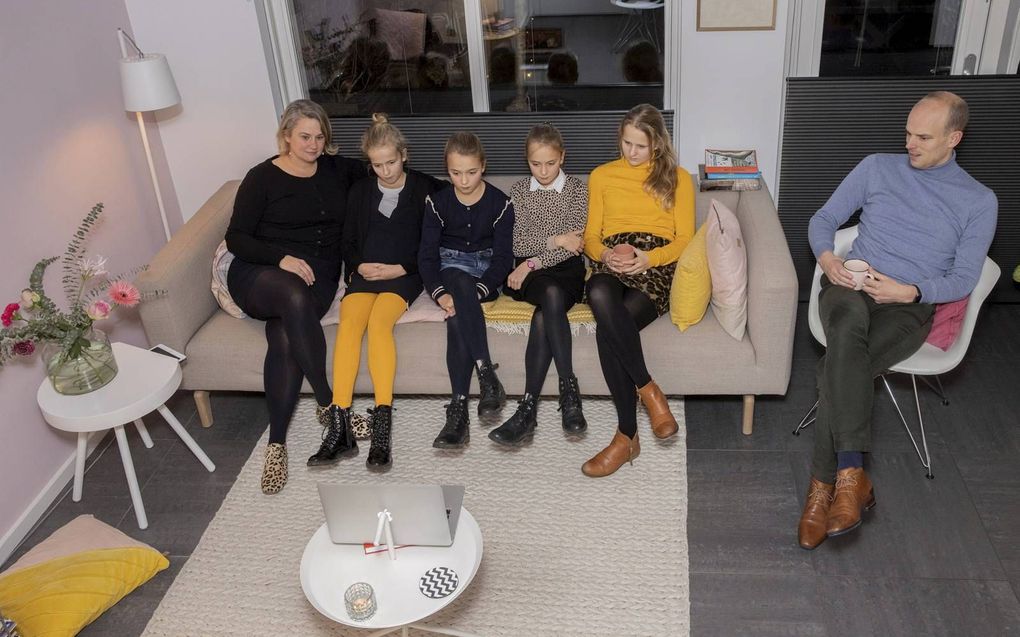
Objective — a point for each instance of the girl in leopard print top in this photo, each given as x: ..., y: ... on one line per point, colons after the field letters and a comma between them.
x: 551, y: 210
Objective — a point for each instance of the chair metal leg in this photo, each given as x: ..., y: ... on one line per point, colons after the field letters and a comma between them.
x: 941, y: 393
x: 805, y: 422
x: 926, y: 457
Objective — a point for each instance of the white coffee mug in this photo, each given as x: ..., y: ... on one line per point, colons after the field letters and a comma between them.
x: 858, y: 269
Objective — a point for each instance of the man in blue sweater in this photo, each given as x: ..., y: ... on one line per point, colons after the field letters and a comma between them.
x: 925, y: 230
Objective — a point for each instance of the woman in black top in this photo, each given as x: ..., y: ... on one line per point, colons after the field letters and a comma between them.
x: 381, y: 236
x: 285, y: 233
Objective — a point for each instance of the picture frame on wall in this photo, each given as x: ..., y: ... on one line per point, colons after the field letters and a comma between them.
x: 736, y: 15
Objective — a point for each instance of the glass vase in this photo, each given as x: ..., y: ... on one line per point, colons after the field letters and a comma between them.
x: 83, y: 367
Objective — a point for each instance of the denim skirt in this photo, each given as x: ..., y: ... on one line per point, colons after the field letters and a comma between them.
x: 474, y: 263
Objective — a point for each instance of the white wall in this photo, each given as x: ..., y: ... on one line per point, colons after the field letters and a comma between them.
x: 731, y: 91
x: 226, y: 122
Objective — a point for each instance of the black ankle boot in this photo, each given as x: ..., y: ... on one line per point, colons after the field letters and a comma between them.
x: 379, y: 453
x: 492, y: 397
x: 570, y: 406
x: 337, y: 439
x: 521, y: 426
x: 455, y: 433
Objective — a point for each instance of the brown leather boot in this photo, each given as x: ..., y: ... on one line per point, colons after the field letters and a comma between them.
x: 853, y: 493
x: 662, y: 420
x: 621, y: 449
x: 812, y: 528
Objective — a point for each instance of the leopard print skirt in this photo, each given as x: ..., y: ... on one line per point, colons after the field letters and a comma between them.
x: 653, y: 282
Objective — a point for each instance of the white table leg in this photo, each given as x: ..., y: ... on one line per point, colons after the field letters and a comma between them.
x: 132, y: 480
x: 185, y: 437
x: 79, y: 465
x: 439, y: 631
x: 143, y: 433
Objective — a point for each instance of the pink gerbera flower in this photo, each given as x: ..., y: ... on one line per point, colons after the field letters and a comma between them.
x: 123, y: 293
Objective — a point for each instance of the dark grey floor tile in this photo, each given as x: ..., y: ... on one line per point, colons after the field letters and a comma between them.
x: 742, y: 513
x: 130, y: 615
x: 759, y: 605
x: 919, y: 527
x: 890, y: 606
x: 994, y: 486
x: 181, y: 466
x: 104, y: 470
x: 172, y: 529
x: 982, y: 410
x: 995, y: 337
x: 236, y: 416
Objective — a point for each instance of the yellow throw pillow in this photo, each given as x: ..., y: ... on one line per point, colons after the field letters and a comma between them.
x: 506, y: 310
x: 61, y: 594
x: 692, y: 283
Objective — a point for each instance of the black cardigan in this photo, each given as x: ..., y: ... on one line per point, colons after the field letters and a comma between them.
x: 363, y: 201
x: 276, y: 214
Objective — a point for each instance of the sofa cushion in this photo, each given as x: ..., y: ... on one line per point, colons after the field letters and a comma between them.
x: 692, y: 283
x: 727, y: 262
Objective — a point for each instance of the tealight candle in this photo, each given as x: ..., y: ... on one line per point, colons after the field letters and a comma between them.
x: 360, y: 601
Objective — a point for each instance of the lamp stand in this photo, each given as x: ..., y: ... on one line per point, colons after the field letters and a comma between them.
x: 148, y: 152
x: 152, y: 173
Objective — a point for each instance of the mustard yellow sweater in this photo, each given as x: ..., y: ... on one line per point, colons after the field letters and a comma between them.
x: 617, y: 202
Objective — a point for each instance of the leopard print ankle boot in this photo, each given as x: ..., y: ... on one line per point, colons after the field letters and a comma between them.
x: 274, y: 472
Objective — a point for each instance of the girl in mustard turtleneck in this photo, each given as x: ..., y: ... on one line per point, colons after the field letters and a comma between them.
x: 640, y: 218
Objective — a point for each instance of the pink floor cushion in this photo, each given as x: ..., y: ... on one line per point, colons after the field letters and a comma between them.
x: 948, y: 323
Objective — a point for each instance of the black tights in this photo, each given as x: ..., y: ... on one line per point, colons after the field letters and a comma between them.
x: 620, y: 314
x: 465, y: 331
x: 550, y: 335
x: 297, y: 347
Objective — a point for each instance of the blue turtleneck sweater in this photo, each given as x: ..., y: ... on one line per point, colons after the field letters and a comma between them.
x: 926, y: 227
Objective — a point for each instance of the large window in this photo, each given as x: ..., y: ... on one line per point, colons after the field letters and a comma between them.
x: 453, y: 56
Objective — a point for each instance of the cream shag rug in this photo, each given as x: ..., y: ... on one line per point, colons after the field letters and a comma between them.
x: 564, y: 554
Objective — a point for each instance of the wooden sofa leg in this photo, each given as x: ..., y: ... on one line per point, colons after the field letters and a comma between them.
x: 748, y: 414
x: 204, y: 408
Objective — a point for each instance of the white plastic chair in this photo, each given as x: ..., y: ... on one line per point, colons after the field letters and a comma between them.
x: 927, y: 361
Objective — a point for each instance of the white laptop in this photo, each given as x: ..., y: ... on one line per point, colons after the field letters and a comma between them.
x: 422, y: 515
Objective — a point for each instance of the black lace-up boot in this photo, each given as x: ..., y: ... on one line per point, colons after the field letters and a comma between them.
x: 521, y: 426
x: 454, y: 434
x: 337, y: 438
x: 379, y: 453
x: 492, y: 396
x: 570, y: 406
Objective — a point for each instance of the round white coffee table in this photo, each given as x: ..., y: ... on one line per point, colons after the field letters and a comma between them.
x: 144, y: 382
x: 327, y: 570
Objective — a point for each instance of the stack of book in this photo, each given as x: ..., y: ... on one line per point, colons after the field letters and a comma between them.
x: 729, y: 170
x: 494, y: 25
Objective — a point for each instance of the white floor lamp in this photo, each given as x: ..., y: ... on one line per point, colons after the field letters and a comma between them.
x: 148, y: 85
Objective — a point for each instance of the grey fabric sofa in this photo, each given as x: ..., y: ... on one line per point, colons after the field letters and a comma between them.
x: 226, y: 354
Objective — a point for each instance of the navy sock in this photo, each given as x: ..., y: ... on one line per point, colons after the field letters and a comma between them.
x: 849, y: 459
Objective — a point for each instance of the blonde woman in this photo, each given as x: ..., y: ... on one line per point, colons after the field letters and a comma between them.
x: 640, y: 218
x: 380, y: 247
x: 285, y: 233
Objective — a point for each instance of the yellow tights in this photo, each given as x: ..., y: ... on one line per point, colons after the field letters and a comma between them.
x: 377, y: 313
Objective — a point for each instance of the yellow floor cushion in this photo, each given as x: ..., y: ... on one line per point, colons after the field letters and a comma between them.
x: 73, y: 576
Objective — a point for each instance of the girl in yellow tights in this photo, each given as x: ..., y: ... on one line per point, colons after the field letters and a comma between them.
x: 380, y: 250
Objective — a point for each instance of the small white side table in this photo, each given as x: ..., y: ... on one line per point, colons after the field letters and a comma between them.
x: 144, y: 382
x: 327, y: 570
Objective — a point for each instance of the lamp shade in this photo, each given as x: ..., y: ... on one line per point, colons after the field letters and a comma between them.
x: 147, y: 83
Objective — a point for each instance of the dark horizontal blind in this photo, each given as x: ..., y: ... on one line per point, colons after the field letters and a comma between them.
x: 590, y: 137
x: 830, y: 124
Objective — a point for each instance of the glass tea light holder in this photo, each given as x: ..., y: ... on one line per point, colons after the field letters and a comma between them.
x: 360, y: 601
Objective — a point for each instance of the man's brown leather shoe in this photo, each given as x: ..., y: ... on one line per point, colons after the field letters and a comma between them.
x: 853, y: 493
x: 812, y: 528
x: 621, y: 449
x: 662, y: 420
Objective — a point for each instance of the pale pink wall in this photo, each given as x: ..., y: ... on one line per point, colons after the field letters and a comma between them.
x: 67, y: 144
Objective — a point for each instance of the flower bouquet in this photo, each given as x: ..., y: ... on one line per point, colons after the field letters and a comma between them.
x: 78, y: 356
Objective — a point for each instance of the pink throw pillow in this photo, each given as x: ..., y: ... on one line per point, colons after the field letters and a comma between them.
x: 948, y: 323
x: 423, y: 310
x: 727, y: 262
